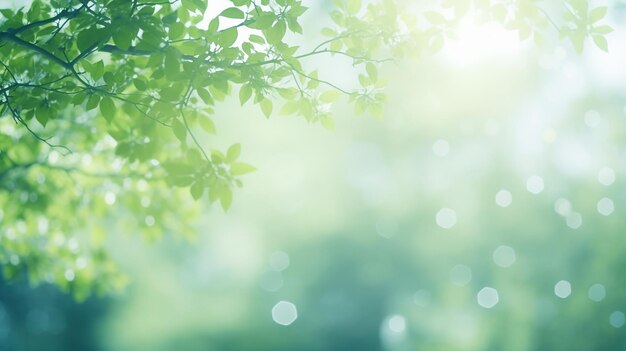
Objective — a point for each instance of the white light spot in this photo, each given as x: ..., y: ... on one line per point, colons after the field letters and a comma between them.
x: 53, y: 157
x: 142, y: 185
x: 69, y: 275
x: 10, y: 234
x: 441, y: 148
x: 535, y: 185
x: 606, y: 176
x: 504, y: 256
x: 145, y: 201
x: 422, y: 298
x: 149, y: 220
x: 386, y: 227
x: 86, y: 159
x: 504, y: 198
x: 488, y: 297
x: 109, y: 198
x: 15, y: 260
x: 446, y: 218
x: 279, y: 261
x: 72, y: 244
x: 563, y: 289
x: 81, y: 262
x: 593, y: 119
x: 617, y: 319
x: 563, y: 207
x: 460, y: 275
x: 284, y: 313
x: 605, y: 206
x: 42, y: 225
x: 397, y: 324
x: 596, y: 292
x: 574, y: 220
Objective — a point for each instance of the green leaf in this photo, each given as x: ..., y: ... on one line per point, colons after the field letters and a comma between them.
x: 79, y: 99
x: 602, y: 29
x: 196, y: 190
x: 267, y: 107
x: 293, y: 25
x: 372, y: 71
x: 207, y: 125
x: 92, y: 102
x: 327, y: 122
x: 90, y: 37
x: 578, y: 40
x: 288, y: 93
x: 107, y: 108
x: 177, y: 30
x: 245, y: 93
x: 601, y: 42
x: 227, y: 38
x: 329, y: 32
x: 214, y: 25
x: 226, y: 198
x: 171, y: 65
x: 123, y: 38
x: 597, y: 14
x: 205, y: 96
x: 140, y: 84
x: 97, y: 70
x: 364, y: 80
x: 256, y: 39
x: 240, y: 168
x: 330, y: 96
x: 276, y: 34
x: 354, y: 6
x: 42, y: 114
x: 233, y: 12
x: 193, y: 5
x: 290, y: 108
x: 171, y: 92
x: 179, y: 129
x: 233, y: 153
x: 262, y: 22
x: 241, y: 2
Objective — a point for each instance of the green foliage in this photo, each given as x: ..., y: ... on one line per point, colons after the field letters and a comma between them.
x: 100, y: 103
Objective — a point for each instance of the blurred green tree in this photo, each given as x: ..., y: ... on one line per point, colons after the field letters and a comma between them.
x: 105, y: 102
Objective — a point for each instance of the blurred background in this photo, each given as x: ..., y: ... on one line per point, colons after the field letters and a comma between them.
x: 485, y: 212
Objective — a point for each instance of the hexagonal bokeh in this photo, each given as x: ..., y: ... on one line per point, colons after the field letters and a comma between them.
x: 284, y: 313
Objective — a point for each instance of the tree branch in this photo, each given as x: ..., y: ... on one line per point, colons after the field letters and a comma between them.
x: 19, y: 118
x: 62, y: 14
x: 7, y: 36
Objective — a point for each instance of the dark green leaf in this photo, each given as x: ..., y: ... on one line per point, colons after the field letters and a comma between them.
x: 107, y: 108
x: 179, y: 129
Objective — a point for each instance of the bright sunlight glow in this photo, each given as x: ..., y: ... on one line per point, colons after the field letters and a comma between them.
x: 478, y: 42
